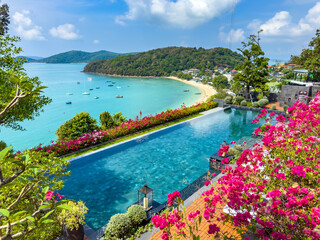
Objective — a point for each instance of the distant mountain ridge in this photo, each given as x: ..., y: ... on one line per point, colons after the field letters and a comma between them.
x: 166, y: 61
x: 76, y: 56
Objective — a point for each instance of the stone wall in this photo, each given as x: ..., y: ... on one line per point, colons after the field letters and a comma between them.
x: 290, y: 94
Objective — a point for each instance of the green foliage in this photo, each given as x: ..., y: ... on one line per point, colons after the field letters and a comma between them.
x: 136, y: 214
x: 79, y: 57
x: 221, y: 95
x: 263, y: 102
x: 264, y: 97
x: 140, y: 231
x: 25, y: 194
x: 285, y: 108
x: 73, y: 218
x: 274, y: 107
x: 220, y: 82
x: 228, y: 100
x: 254, y: 70
x: 263, y: 127
x: 4, y: 19
x: 310, y: 57
x: 80, y: 124
x: 21, y: 96
x: 118, y: 226
x: 249, y: 104
x: 3, y: 145
x: 255, y: 104
x: 243, y: 103
x: 165, y: 61
x: 108, y: 121
x: 260, y: 96
x: 239, y: 99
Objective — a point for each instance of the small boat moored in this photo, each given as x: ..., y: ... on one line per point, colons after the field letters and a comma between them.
x: 97, y: 87
x: 118, y: 96
x: 96, y: 97
x: 110, y: 85
x: 186, y: 90
x: 86, y: 93
x: 68, y: 102
x: 78, y: 82
x: 69, y: 93
x: 118, y: 87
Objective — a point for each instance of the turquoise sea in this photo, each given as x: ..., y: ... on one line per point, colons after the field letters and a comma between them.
x: 149, y: 95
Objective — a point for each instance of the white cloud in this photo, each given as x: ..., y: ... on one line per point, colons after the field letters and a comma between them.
x: 281, y: 25
x: 96, y: 41
x: 179, y: 13
x: 25, y: 28
x: 66, y: 31
x: 234, y: 36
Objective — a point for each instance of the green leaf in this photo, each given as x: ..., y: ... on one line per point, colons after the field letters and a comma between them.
x: 4, y: 212
x: 30, y: 219
x: 45, y: 190
x: 4, y: 152
x: 48, y: 214
x: 47, y: 221
x: 64, y: 206
x: 19, y: 213
x: 44, y: 206
x: 26, y: 158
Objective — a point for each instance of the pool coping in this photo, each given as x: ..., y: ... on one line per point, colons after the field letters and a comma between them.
x: 217, y: 109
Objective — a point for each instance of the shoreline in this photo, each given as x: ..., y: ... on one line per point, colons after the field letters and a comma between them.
x: 206, y: 90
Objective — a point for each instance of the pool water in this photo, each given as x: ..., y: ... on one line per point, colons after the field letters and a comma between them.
x: 108, y: 181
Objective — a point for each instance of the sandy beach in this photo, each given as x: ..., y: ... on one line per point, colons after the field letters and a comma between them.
x: 206, y: 90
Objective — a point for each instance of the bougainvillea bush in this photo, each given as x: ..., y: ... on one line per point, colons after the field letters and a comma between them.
x: 126, y: 128
x: 273, y: 192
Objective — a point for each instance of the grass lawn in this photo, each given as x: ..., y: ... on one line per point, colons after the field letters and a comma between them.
x: 118, y: 140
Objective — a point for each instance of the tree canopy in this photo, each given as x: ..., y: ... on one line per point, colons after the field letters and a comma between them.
x: 254, y: 70
x: 21, y: 96
x: 165, y: 61
x: 310, y: 57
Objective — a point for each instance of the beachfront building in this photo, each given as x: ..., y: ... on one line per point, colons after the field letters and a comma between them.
x: 194, y: 71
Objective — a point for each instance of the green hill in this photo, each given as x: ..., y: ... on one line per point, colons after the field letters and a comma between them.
x: 79, y: 57
x: 166, y: 61
x: 29, y: 59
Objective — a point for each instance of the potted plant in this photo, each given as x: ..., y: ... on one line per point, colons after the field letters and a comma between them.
x: 73, y: 220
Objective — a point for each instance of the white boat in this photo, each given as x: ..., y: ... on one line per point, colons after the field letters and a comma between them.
x: 86, y: 93
x: 96, y: 97
x: 89, y: 78
x: 69, y: 93
x: 118, y: 87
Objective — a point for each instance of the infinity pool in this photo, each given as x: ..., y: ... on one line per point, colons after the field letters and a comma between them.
x: 108, y: 181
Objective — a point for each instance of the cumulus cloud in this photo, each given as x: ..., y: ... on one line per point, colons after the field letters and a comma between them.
x: 96, y: 41
x: 281, y: 24
x: 234, y: 36
x: 24, y: 26
x: 66, y: 31
x: 179, y: 13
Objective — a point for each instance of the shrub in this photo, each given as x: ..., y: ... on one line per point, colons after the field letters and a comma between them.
x: 263, y: 102
x: 118, y: 226
x: 243, y: 103
x: 239, y: 99
x: 3, y: 145
x: 74, y: 217
x: 233, y: 151
x: 274, y: 107
x: 255, y: 104
x: 249, y: 104
x: 81, y: 123
x: 264, y: 128
x: 136, y: 214
x: 220, y: 95
x: 106, y: 120
x: 264, y: 97
x: 285, y: 108
x: 228, y: 100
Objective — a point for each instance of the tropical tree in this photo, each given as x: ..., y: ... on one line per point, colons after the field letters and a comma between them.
x: 220, y: 82
x: 4, y: 19
x: 310, y: 57
x: 28, y: 202
x: 21, y: 96
x: 253, y: 71
x: 80, y: 124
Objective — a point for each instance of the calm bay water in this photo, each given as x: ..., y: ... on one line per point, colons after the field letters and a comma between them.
x: 139, y: 94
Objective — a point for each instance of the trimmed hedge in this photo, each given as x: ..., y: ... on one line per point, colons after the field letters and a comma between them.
x: 263, y: 102
x: 243, y: 103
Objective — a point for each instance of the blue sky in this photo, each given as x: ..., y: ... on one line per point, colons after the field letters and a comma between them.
x: 50, y: 27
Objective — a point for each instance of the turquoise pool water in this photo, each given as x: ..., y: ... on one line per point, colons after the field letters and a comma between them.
x: 108, y: 181
x: 148, y: 95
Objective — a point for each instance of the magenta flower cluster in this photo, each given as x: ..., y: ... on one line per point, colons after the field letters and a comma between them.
x: 274, y: 189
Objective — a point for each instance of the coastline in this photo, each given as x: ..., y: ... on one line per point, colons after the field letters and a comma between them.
x: 206, y: 90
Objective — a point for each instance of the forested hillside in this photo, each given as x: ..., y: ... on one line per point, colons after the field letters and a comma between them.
x: 166, y: 61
